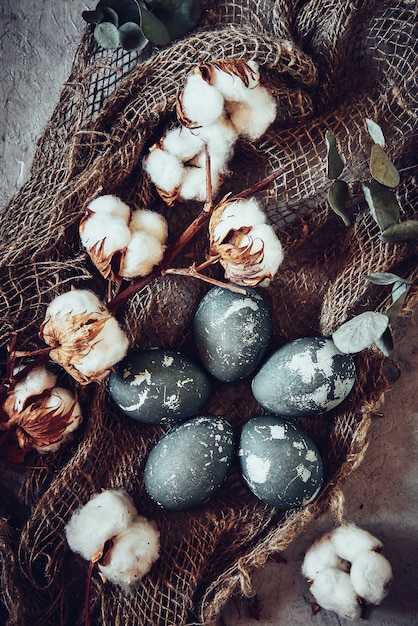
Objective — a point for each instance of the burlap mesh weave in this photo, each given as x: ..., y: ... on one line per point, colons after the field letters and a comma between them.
x: 330, y: 65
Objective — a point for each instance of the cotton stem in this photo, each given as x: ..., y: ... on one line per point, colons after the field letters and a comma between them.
x: 193, y: 273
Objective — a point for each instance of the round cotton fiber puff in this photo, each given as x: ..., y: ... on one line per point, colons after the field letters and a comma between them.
x: 104, y: 516
x: 182, y: 143
x: 201, y: 103
x: 110, y: 205
x: 164, y: 169
x: 232, y: 87
x: 320, y: 555
x: 74, y: 302
x: 112, y: 231
x: 150, y: 222
x: 252, y: 117
x: 371, y: 575
x: 142, y: 254
x: 61, y: 402
x: 333, y: 590
x: 134, y: 551
x: 349, y: 540
x: 35, y: 382
x: 110, y: 347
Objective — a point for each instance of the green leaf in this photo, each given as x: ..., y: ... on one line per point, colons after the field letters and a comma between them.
x: 93, y: 17
x: 405, y: 231
x: 384, y: 278
x: 399, y: 288
x: 385, y: 342
x: 110, y: 15
x: 182, y: 20
x: 398, y: 301
x: 106, y: 35
x: 153, y: 28
x: 127, y: 10
x: 375, y: 132
x: 132, y: 37
x: 382, y: 169
x: 360, y: 332
x: 334, y: 165
x: 382, y: 203
x: 337, y: 198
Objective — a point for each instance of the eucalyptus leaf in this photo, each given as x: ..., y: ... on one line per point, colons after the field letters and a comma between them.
x: 384, y: 278
x: 337, y: 198
x: 106, y: 35
x: 393, y: 311
x: 127, y: 10
x: 334, y: 165
x: 132, y: 37
x: 385, y: 342
x: 360, y: 332
x: 399, y: 288
x: 110, y: 15
x: 382, y: 203
x: 404, y: 231
x: 153, y: 28
x: 182, y: 20
x: 381, y: 168
x: 93, y: 17
x: 375, y: 132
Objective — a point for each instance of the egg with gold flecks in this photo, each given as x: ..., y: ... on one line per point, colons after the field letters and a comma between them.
x: 159, y: 386
x: 280, y: 463
x: 190, y: 463
x: 304, y: 377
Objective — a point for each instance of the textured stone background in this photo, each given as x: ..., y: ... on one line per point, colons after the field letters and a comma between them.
x: 37, y: 41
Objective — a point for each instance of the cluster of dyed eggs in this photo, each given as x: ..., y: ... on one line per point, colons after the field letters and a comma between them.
x: 279, y: 462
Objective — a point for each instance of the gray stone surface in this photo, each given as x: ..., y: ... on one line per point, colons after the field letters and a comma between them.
x: 37, y: 41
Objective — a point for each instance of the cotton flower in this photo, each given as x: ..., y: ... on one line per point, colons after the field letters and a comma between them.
x: 43, y: 421
x: 37, y: 380
x: 251, y: 119
x: 333, y: 590
x: 247, y: 247
x: 104, y: 236
x: 85, y: 339
x: 199, y: 104
x: 109, y: 532
x: 149, y: 222
x: 104, y: 516
x: 132, y: 553
x: 319, y: 556
x: 371, y: 576
x: 142, y: 254
x: 349, y: 540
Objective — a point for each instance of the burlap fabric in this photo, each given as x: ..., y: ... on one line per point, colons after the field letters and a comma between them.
x: 330, y: 65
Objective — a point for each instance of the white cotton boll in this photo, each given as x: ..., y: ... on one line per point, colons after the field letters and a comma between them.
x: 142, y: 254
x: 232, y: 87
x: 333, y: 590
x: 104, y: 516
x: 75, y: 301
x: 371, y: 576
x: 237, y: 215
x: 110, y: 346
x: 201, y: 103
x: 134, y: 551
x: 164, y: 169
x: 263, y: 236
x: 349, y: 540
x: 182, y: 143
x: 112, y: 231
x: 35, y: 382
x: 150, y: 222
x: 193, y: 185
x: 319, y: 556
x: 110, y: 205
x: 62, y: 402
x: 220, y: 138
x: 252, y: 118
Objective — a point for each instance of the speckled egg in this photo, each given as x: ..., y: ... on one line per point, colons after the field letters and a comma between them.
x: 158, y: 386
x: 280, y: 463
x: 232, y: 332
x: 190, y: 463
x: 304, y: 377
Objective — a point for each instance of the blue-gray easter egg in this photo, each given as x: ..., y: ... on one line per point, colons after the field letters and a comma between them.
x: 158, y: 386
x: 280, y: 463
x: 304, y: 377
x: 232, y: 332
x: 189, y: 464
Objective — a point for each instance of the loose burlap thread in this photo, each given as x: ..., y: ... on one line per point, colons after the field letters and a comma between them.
x: 329, y: 65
